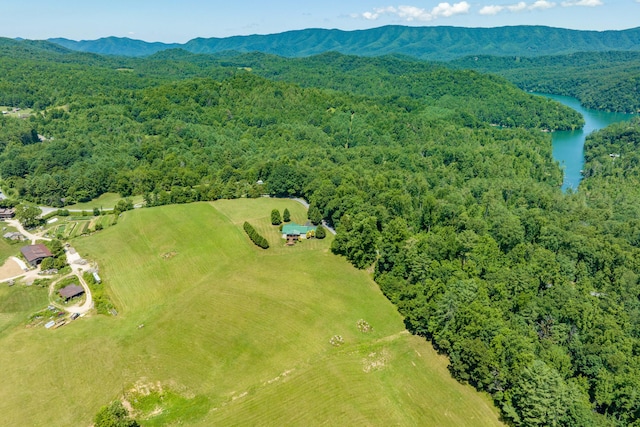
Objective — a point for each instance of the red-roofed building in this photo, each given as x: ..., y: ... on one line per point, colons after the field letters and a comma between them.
x: 34, y: 254
x: 71, y: 291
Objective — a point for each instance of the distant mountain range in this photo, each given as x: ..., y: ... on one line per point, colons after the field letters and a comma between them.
x: 431, y: 43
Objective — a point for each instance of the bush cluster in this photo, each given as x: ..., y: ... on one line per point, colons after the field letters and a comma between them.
x: 255, y: 236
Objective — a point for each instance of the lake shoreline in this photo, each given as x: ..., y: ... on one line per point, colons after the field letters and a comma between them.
x: 568, y: 146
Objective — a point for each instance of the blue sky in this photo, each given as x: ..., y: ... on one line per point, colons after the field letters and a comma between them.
x: 182, y: 20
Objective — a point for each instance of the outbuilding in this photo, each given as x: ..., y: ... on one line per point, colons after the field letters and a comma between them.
x: 71, y: 291
x: 34, y: 254
x: 7, y: 213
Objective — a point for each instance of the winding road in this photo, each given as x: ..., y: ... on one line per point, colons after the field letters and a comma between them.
x: 304, y: 203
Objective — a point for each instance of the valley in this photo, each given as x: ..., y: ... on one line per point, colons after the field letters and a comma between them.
x: 463, y: 285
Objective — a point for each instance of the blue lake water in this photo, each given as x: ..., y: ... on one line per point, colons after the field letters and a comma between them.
x: 568, y: 146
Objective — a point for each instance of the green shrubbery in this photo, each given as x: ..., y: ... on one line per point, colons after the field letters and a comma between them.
x: 275, y: 217
x: 255, y: 236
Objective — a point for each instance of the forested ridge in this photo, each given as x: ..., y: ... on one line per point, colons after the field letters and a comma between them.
x: 607, y: 81
x: 429, y: 42
x: 533, y: 294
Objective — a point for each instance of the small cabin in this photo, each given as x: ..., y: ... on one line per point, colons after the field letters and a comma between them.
x: 292, y: 232
x: 7, y: 213
x: 71, y: 291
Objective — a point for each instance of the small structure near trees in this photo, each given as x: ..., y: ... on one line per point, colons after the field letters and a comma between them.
x: 7, y: 213
x: 14, y: 235
x: 293, y: 232
x: 34, y: 254
x: 71, y: 291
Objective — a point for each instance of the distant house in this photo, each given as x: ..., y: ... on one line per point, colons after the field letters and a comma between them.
x: 71, y: 291
x: 14, y: 235
x: 292, y: 232
x: 34, y: 254
x: 7, y: 213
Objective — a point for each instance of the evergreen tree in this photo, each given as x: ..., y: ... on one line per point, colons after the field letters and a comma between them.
x: 275, y: 217
x: 286, y: 216
x: 320, y: 232
x: 314, y: 215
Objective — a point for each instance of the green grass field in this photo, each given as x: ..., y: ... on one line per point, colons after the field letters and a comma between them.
x: 213, y: 330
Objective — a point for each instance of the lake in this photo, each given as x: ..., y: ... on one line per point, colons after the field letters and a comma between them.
x: 568, y: 146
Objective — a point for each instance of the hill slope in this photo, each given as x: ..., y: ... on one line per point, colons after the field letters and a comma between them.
x: 434, y: 43
x: 232, y: 335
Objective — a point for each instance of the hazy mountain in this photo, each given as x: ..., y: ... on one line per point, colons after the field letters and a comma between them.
x: 115, y: 46
x: 433, y: 43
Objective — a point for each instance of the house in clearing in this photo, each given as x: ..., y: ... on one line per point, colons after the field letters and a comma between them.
x: 71, y: 291
x: 7, y: 213
x: 292, y: 232
x: 34, y: 254
x: 14, y: 235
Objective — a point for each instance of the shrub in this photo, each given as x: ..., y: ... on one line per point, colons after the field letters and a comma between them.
x: 321, y: 233
x: 255, y: 236
x: 314, y: 214
x: 275, y: 217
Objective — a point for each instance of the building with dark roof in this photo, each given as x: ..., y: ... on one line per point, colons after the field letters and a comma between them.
x: 34, y: 254
x: 71, y: 291
x: 7, y: 213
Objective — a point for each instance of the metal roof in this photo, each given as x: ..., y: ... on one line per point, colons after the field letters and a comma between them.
x: 35, y: 252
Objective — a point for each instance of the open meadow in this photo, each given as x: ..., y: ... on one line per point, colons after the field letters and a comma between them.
x: 212, y: 330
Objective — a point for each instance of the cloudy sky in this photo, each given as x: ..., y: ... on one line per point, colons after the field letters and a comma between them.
x: 182, y: 20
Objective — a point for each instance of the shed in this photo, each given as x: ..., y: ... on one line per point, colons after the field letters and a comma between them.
x: 71, y: 291
x: 14, y: 235
x: 34, y: 254
x: 7, y: 213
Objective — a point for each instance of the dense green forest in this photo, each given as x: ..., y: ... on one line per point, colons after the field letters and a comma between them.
x: 435, y: 43
x: 607, y: 81
x: 533, y: 294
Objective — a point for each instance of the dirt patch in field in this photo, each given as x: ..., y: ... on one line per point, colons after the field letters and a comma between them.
x: 10, y: 269
x: 169, y: 255
x: 375, y: 361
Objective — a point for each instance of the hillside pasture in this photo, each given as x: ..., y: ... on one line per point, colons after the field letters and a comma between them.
x: 212, y: 330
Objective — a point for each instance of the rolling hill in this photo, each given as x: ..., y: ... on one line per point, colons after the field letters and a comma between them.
x: 215, y: 331
x: 432, y: 43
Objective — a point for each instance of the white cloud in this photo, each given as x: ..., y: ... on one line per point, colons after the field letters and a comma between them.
x: 413, y: 13
x: 410, y: 13
x: 542, y: 4
x: 518, y: 7
x: 521, y: 6
x: 492, y: 10
x: 379, y: 11
x: 446, y: 9
x: 587, y: 3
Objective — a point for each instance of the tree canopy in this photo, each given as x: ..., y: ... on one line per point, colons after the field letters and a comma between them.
x: 442, y: 182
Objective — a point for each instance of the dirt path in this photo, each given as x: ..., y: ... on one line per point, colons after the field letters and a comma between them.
x: 86, y: 305
x: 33, y: 237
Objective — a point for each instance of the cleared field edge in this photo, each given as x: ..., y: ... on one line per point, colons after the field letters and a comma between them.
x: 195, y: 337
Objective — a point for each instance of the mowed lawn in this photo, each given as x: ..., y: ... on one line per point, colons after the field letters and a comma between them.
x: 222, y: 332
